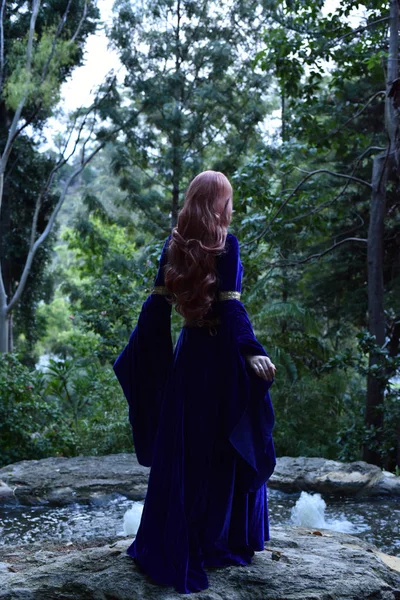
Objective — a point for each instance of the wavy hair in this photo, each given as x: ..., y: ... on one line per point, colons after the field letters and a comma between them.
x: 190, y: 273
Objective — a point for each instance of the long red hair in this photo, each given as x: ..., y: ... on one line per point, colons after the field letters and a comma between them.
x: 190, y: 273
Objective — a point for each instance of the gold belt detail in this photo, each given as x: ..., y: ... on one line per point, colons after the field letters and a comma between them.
x: 161, y: 289
x: 202, y: 322
x: 210, y: 324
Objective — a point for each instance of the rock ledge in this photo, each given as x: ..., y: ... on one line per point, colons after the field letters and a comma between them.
x: 298, y: 564
x: 59, y: 481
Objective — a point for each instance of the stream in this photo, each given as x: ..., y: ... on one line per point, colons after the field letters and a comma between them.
x: 373, y: 519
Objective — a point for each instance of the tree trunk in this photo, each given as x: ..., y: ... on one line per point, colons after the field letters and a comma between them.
x: 381, y: 167
x: 3, y: 296
x: 376, y: 317
x: 285, y: 278
x: 10, y: 333
x: 393, y: 346
x: 3, y: 327
x: 176, y: 136
x: 175, y: 198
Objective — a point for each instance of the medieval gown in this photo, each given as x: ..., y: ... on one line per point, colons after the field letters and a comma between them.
x: 202, y: 420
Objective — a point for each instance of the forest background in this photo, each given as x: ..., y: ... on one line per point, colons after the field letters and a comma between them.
x: 83, y: 220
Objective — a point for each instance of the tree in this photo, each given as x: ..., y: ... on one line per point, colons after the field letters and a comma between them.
x: 300, y: 41
x: 38, y: 50
x: 197, y: 98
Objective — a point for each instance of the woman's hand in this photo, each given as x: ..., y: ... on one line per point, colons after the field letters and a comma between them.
x: 263, y: 366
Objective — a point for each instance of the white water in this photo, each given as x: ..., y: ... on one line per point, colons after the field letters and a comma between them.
x: 309, y: 511
x: 132, y: 518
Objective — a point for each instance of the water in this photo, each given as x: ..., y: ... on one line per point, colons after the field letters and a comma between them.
x: 70, y: 523
x: 373, y: 519
x: 309, y: 511
x: 376, y: 520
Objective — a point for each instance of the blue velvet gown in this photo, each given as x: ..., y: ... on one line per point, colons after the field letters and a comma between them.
x: 202, y: 420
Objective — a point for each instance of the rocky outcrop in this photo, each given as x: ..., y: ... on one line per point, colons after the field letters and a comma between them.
x: 332, y: 477
x: 297, y: 564
x: 59, y: 481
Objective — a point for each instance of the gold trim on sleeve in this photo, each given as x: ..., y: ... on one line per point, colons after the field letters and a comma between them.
x: 160, y: 289
x: 229, y: 296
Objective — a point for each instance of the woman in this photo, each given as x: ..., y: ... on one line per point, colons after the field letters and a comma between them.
x: 201, y: 414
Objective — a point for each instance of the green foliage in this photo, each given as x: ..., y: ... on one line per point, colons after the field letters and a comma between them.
x: 104, y: 279
x: 92, y: 404
x: 309, y: 413
x: 58, y: 327
x: 191, y: 99
x: 31, y: 426
x: 57, y: 49
x: 58, y: 41
x: 30, y: 169
x: 32, y: 86
x: 295, y: 215
x: 354, y: 433
x: 105, y: 429
x: 107, y: 286
x: 72, y: 408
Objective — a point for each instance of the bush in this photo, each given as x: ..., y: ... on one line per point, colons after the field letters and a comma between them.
x: 30, y: 424
x: 75, y: 407
x: 92, y: 399
x: 308, y: 415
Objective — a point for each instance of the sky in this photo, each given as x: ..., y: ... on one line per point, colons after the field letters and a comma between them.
x: 99, y: 60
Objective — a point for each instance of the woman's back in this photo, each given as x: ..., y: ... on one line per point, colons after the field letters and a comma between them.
x: 212, y: 450
x: 200, y: 417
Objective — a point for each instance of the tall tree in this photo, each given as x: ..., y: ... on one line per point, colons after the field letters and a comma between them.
x: 300, y: 42
x: 190, y: 80
x: 39, y: 48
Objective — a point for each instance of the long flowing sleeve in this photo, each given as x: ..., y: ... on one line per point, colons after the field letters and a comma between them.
x: 251, y: 414
x: 143, y: 365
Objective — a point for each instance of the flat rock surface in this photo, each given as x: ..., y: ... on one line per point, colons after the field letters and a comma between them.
x: 58, y: 481
x: 298, y: 563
